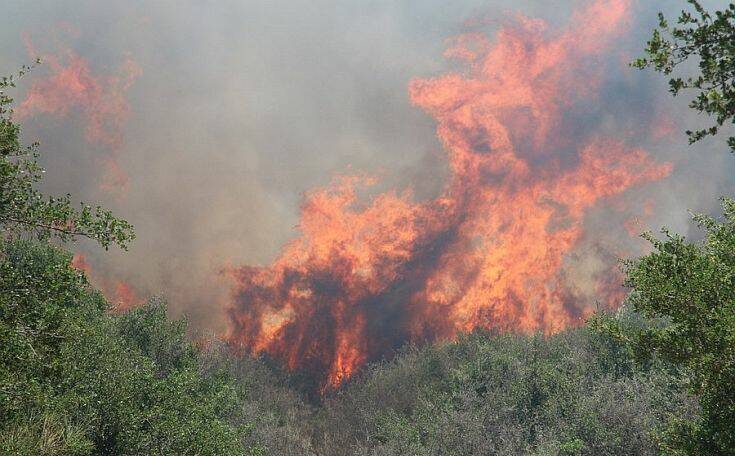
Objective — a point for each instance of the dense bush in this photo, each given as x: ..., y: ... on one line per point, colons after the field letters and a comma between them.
x: 577, y: 392
x: 279, y: 416
x: 79, y: 380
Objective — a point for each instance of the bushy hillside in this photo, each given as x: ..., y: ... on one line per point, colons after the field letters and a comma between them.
x: 78, y: 379
x: 573, y: 393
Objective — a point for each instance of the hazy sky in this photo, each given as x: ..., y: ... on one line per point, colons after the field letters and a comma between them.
x: 241, y: 106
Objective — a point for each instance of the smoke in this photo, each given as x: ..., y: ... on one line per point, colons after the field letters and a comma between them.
x: 224, y: 115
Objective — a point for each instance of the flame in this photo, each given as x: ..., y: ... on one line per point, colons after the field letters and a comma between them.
x: 114, y: 178
x: 71, y: 87
x: 119, y: 293
x: 365, y: 277
x: 79, y: 262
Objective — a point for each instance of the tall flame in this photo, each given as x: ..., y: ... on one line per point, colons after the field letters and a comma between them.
x: 70, y: 86
x: 364, y: 277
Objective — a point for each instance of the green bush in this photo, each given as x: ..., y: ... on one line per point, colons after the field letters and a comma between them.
x: 78, y: 380
x: 578, y: 392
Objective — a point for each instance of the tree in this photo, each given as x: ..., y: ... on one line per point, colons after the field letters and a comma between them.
x: 76, y: 379
x: 691, y: 285
x: 687, y: 289
x: 710, y: 38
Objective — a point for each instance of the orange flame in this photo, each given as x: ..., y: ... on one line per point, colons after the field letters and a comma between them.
x: 119, y: 293
x: 79, y: 262
x: 363, y: 278
x: 72, y: 87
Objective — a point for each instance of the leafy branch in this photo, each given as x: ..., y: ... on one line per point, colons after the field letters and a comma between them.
x: 711, y: 39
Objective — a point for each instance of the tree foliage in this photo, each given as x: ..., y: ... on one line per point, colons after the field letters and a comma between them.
x: 687, y: 287
x: 76, y: 379
x: 690, y: 288
x: 710, y: 38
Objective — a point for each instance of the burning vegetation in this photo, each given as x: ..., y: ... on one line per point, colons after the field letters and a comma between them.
x: 365, y: 276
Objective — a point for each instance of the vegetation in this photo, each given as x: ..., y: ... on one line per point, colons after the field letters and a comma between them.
x: 710, y: 39
x: 654, y: 378
x: 576, y: 393
x: 689, y: 287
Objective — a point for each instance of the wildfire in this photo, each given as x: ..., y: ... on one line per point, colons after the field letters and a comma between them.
x: 364, y: 277
x: 119, y: 293
x: 72, y: 87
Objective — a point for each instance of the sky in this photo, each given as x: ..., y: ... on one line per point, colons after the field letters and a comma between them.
x: 209, y: 120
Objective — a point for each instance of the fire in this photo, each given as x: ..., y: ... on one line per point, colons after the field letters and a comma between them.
x: 364, y: 277
x: 79, y: 262
x: 119, y: 293
x: 71, y: 87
